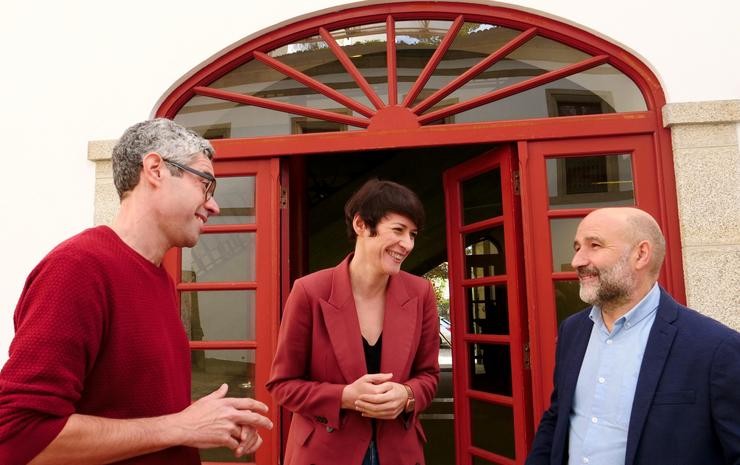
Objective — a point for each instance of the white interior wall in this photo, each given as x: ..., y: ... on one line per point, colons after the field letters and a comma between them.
x: 84, y: 70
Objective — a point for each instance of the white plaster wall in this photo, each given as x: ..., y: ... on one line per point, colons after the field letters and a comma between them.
x: 84, y: 70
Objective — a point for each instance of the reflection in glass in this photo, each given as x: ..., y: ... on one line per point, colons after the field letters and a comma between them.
x: 488, y: 310
x: 590, y: 182
x: 220, y: 257
x: 235, y: 198
x: 492, y: 427
x: 218, y: 315
x: 490, y: 368
x: 562, y: 233
x: 567, y: 301
x: 473, y: 43
x: 210, y: 369
x: 484, y: 253
x: 481, y: 197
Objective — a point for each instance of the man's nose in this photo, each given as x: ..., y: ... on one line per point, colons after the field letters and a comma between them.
x: 212, y: 207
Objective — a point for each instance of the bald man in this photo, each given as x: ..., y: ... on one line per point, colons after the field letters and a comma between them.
x: 639, y: 378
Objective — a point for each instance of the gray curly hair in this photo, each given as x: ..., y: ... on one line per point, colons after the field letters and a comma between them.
x: 163, y: 136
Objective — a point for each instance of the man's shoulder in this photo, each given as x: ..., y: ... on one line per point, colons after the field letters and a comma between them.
x: 89, y: 244
x: 700, y: 325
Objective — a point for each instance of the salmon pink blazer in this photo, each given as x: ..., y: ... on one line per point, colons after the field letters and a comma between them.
x: 320, y: 351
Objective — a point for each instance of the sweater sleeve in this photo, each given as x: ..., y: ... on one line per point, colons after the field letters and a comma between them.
x: 59, y: 323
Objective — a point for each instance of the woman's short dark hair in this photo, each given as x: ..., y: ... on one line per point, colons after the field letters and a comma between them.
x: 376, y: 199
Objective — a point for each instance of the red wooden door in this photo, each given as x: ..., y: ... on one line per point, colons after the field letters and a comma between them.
x: 228, y: 289
x: 491, y: 387
x: 562, y: 181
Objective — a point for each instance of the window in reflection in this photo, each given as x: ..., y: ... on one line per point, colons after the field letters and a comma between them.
x: 484, y: 253
x: 481, y: 197
x: 488, y: 310
x: 490, y: 368
x: 590, y: 182
x: 210, y: 369
x: 567, y: 301
x: 236, y: 198
x: 218, y: 315
x: 220, y: 257
x: 562, y: 233
x: 492, y: 427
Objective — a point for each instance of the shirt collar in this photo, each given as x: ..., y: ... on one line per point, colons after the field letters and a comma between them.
x: 644, y: 308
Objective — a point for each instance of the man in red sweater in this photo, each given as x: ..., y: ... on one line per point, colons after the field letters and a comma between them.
x: 99, y: 369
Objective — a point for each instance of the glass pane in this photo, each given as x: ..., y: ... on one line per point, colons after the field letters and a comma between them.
x: 416, y: 41
x: 365, y: 45
x: 473, y: 43
x: 210, y: 369
x: 220, y: 257
x: 562, y: 233
x: 218, y: 315
x: 492, y: 427
x: 597, y: 91
x: 481, y: 197
x: 490, y: 368
x: 485, y: 253
x: 567, y: 301
x: 488, y: 310
x: 235, y: 197
x: 590, y: 182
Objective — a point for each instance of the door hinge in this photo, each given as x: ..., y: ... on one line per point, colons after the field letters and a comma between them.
x: 526, y: 356
x: 283, y: 198
x: 515, y: 182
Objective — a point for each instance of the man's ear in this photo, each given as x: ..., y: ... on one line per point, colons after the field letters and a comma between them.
x: 644, y: 254
x: 152, y: 166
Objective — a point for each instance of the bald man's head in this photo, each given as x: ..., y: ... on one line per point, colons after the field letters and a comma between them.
x: 635, y: 226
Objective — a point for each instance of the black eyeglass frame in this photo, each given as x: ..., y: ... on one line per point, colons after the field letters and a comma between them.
x: 210, y: 187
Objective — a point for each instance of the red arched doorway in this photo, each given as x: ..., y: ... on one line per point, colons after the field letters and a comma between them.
x: 512, y: 125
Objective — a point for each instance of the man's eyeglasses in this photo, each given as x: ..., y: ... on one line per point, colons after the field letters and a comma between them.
x: 211, y: 181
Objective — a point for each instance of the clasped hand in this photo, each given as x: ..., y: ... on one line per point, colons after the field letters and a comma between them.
x: 219, y: 421
x: 375, y: 396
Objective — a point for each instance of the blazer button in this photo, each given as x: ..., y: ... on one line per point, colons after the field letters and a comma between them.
x: 329, y: 429
x: 322, y: 420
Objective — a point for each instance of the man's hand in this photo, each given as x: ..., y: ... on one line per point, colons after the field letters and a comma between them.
x: 384, y: 405
x: 219, y: 421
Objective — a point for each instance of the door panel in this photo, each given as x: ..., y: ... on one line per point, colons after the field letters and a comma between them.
x: 486, y: 305
x: 562, y: 181
x: 221, y: 283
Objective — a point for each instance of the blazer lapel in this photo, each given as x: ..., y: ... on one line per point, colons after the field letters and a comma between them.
x: 657, y: 349
x: 340, y: 317
x: 399, y: 329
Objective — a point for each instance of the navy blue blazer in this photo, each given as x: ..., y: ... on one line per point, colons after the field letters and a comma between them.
x: 686, y: 409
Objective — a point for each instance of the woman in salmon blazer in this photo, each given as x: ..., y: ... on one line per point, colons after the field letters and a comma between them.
x: 356, y: 359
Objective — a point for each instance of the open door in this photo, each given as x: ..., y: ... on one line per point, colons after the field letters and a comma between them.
x: 491, y: 387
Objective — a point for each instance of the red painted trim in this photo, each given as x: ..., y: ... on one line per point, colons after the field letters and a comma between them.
x: 281, y: 106
x: 222, y: 345
x: 314, y: 84
x: 430, y: 136
x: 434, y: 61
x: 497, y: 399
x: 489, y: 281
x: 390, y: 27
x: 471, y: 73
x: 496, y: 339
x: 228, y: 228
x: 513, y: 89
x: 351, y: 68
x: 484, y: 224
x: 490, y: 456
x: 224, y: 286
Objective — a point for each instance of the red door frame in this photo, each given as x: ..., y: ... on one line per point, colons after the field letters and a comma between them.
x: 267, y: 263
x: 502, y: 158
x: 384, y: 132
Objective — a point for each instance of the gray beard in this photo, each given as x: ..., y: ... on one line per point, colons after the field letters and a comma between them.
x: 614, y: 287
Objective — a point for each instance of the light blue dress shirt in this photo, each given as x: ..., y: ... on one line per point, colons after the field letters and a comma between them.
x: 602, y: 404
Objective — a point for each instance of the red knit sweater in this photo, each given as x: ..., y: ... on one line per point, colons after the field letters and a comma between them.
x: 97, y: 333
